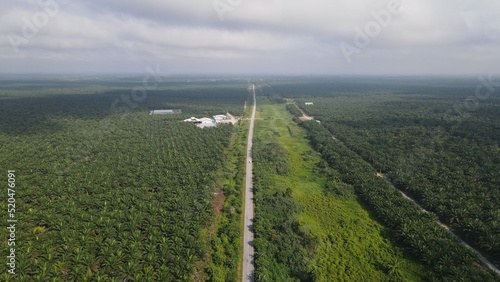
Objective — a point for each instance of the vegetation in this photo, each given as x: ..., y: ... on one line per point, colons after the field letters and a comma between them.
x: 108, y: 193
x: 309, y: 224
x: 419, y: 231
x: 433, y: 138
x: 280, y: 246
x: 112, y: 196
x: 226, y: 242
x: 445, y: 158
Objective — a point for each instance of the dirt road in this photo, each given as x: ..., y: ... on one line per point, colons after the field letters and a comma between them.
x: 483, y: 259
x: 304, y: 115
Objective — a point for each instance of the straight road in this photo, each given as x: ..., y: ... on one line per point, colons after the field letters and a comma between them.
x: 248, y: 251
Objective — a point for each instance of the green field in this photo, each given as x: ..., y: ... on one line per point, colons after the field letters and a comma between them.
x: 346, y: 243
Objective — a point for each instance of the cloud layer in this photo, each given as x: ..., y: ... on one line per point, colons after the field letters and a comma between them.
x: 251, y: 36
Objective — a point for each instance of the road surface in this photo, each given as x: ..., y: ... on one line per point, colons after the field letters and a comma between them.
x: 304, y: 115
x: 248, y: 252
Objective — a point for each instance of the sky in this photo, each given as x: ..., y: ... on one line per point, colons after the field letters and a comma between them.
x: 338, y: 37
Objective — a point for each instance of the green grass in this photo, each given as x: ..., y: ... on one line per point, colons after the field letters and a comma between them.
x: 350, y: 244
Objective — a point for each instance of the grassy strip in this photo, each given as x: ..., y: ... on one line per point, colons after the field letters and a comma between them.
x: 226, y: 241
x: 302, y: 207
x: 280, y: 246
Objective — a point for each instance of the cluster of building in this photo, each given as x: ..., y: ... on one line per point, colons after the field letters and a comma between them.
x: 207, y: 122
x: 200, y: 122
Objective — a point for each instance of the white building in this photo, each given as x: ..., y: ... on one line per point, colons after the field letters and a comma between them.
x: 206, y: 120
x: 220, y: 117
x: 309, y: 103
x: 165, y: 112
x: 191, y: 119
x: 202, y: 122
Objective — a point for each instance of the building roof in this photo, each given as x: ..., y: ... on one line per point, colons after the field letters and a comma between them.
x: 203, y: 125
x: 159, y: 112
x: 165, y: 111
x: 202, y: 122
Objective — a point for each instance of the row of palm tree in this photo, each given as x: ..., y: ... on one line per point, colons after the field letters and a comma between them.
x: 416, y: 230
x: 451, y: 169
x: 129, y: 207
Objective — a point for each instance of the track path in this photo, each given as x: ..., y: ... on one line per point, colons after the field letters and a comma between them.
x: 482, y: 258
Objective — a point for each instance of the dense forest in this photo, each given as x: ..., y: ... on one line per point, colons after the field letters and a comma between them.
x: 108, y: 195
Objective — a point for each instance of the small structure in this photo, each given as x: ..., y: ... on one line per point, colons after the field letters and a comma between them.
x: 165, y: 112
x: 202, y: 122
x: 225, y: 119
x: 219, y: 117
x: 206, y: 122
x: 309, y: 103
x: 191, y: 119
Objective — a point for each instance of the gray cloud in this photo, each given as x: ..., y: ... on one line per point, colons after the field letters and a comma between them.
x: 281, y: 36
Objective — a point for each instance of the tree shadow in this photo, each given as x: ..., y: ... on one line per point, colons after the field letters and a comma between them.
x: 250, y: 227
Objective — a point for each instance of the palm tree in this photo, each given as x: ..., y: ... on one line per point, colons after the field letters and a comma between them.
x: 129, y: 270
x: 394, y: 270
x: 61, y: 268
x: 163, y: 274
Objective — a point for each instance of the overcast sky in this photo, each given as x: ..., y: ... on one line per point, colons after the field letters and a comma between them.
x: 251, y: 36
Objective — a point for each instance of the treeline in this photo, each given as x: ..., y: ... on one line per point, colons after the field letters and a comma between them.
x: 417, y: 231
x: 359, y: 86
x: 24, y: 110
x: 280, y: 246
x: 293, y: 110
